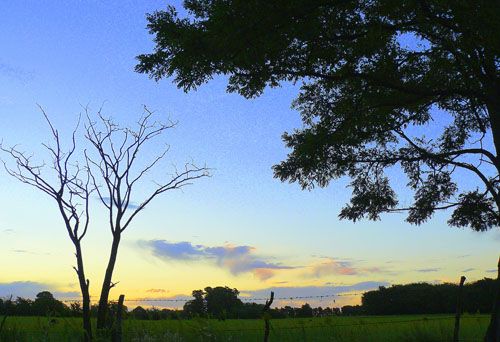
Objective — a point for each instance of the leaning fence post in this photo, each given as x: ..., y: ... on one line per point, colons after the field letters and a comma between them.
x: 117, y: 331
x: 266, y: 316
x: 456, y: 331
x: 493, y: 332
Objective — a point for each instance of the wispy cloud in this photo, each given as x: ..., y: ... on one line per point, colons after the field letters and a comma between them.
x: 131, y: 205
x: 156, y: 291
x: 427, y: 270
x: 468, y: 270
x: 22, y: 251
x: 16, y: 73
x: 236, y: 259
x: 332, y: 266
x: 29, y: 289
x: 25, y: 251
x: 263, y: 273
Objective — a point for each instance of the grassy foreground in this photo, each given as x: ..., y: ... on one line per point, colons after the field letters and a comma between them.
x: 373, y: 328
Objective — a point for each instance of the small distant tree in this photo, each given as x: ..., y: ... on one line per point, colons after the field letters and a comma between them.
x: 139, y: 313
x: 23, y: 307
x: 305, y: 311
x: 222, y: 302
x: 46, y: 304
x: 352, y: 310
x: 196, y: 306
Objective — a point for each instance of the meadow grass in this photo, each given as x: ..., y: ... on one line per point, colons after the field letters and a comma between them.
x: 370, y: 328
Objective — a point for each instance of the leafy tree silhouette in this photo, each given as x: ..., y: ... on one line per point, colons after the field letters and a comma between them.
x: 412, y: 86
x: 196, y: 306
x: 222, y: 302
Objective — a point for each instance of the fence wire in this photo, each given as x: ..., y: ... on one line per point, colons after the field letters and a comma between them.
x: 243, y: 299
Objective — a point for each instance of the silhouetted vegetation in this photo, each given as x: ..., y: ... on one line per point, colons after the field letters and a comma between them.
x: 111, y: 172
x: 223, y: 303
x: 373, y: 73
x: 44, y: 305
x: 411, y: 86
x: 424, y: 298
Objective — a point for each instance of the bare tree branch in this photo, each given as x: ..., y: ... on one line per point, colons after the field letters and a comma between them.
x: 69, y: 191
x: 115, y: 172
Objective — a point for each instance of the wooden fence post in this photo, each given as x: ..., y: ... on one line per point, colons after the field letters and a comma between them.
x: 493, y: 332
x: 266, y: 316
x: 117, y: 327
x: 456, y: 331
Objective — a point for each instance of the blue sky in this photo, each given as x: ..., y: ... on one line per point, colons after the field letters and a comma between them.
x: 63, y: 56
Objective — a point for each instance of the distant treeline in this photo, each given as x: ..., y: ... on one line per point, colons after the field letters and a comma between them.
x: 424, y: 298
x: 218, y: 302
x: 223, y: 303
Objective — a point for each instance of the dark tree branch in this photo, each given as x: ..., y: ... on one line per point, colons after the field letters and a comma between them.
x: 69, y: 192
x: 115, y: 172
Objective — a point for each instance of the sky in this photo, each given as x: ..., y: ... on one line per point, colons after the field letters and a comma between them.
x: 239, y: 228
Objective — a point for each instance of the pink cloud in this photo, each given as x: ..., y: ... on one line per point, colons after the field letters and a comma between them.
x: 339, y: 267
x: 156, y: 291
x: 332, y: 266
x: 263, y: 273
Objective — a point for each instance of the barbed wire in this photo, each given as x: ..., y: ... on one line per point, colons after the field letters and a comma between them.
x: 243, y: 299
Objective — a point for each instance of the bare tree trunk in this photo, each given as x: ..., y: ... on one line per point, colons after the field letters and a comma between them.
x: 107, y: 283
x: 117, y: 150
x: 493, y: 332
x: 84, y: 287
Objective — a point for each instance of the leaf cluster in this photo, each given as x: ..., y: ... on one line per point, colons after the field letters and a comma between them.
x: 411, y: 85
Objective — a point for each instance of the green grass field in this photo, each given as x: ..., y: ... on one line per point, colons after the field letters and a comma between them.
x: 373, y: 328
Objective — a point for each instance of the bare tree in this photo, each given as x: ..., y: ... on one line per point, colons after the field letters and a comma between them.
x: 115, y: 173
x: 67, y: 184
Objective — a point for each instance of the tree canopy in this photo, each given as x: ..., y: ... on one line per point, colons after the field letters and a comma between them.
x: 220, y: 302
x: 427, y: 298
x: 412, y: 86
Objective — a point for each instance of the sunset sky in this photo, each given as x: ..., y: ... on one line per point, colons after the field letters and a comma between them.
x: 241, y: 227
